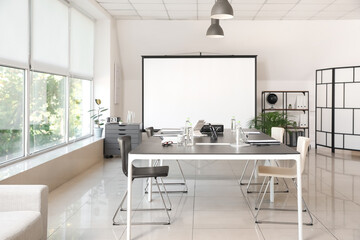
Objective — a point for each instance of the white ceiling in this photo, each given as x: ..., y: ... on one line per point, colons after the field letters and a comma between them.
x: 243, y: 9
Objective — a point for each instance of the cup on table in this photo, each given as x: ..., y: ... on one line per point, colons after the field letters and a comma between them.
x: 180, y: 140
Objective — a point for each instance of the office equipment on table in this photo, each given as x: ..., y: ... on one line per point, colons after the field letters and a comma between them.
x: 219, y: 128
x: 154, y: 150
x: 113, y: 131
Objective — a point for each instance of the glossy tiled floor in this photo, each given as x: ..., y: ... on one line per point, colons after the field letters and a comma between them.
x: 215, y: 207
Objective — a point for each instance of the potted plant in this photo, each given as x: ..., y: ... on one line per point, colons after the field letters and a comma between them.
x: 265, y: 121
x: 96, y: 114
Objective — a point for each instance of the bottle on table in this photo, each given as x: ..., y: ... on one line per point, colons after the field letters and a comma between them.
x: 188, y: 126
x: 233, y: 123
x: 239, y: 134
x: 190, y: 136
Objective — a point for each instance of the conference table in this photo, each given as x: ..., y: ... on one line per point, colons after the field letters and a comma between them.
x: 222, y: 149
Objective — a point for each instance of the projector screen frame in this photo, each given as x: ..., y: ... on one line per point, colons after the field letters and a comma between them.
x: 196, y: 56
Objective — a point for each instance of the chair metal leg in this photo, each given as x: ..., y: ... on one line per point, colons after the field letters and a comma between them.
x: 280, y: 209
x: 162, y: 198
x: 120, y: 208
x: 262, y: 199
x: 250, y: 180
x: 173, y: 183
x: 276, y: 183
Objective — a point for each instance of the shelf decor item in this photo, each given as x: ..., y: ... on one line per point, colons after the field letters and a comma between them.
x: 272, y: 99
x: 96, y: 114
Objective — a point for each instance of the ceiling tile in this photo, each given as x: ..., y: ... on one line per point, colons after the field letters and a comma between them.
x: 180, y: 1
x: 342, y: 7
x: 248, y: 1
x: 317, y: 1
x: 267, y: 18
x: 146, y: 1
x: 181, y: 7
x: 246, y: 7
x: 204, y: 14
x: 347, y: 1
x: 282, y: 1
x: 178, y: 15
x: 309, y: 7
x: 243, y: 18
x: 300, y: 14
x: 128, y: 17
x: 277, y: 7
x: 329, y: 15
x: 112, y: 1
x: 204, y: 7
x: 271, y: 13
x: 352, y: 15
x: 123, y: 12
x: 117, y: 6
x: 149, y: 7
x: 211, y: 2
x: 245, y: 14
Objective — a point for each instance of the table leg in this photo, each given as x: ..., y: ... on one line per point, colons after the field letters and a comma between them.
x: 272, y: 195
x: 150, y: 183
x: 129, y: 198
x: 299, y: 197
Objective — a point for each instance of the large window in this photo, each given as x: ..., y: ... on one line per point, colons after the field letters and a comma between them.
x: 47, y: 111
x: 11, y: 113
x: 79, y: 105
x: 46, y: 69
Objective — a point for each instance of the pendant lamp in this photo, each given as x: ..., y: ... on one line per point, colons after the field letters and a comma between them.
x: 222, y: 10
x: 215, y: 30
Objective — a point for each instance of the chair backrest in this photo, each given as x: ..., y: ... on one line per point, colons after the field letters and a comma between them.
x: 278, y: 133
x: 149, y: 131
x: 125, y: 148
x: 302, y: 147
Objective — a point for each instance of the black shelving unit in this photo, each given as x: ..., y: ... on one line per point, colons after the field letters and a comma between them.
x: 284, y: 99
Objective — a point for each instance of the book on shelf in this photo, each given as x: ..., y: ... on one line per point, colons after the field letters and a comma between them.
x: 301, y: 102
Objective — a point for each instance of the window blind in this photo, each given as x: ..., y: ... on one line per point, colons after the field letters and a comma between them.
x: 81, y: 45
x: 14, y: 31
x: 50, y: 34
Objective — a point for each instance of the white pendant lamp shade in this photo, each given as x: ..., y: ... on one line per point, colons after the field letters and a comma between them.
x: 222, y: 10
x: 215, y: 30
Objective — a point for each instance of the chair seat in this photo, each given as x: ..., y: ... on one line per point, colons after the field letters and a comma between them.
x: 146, y: 172
x: 22, y: 225
x: 279, y: 172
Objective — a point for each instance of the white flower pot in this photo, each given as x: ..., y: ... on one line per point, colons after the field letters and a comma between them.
x: 98, y: 132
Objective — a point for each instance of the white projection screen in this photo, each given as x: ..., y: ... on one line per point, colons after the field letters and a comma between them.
x: 211, y: 88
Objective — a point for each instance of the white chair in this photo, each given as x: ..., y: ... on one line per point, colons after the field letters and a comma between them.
x: 23, y: 212
x: 149, y: 133
x: 270, y: 172
x: 276, y: 133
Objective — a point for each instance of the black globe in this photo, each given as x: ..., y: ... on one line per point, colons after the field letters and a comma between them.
x: 271, y: 98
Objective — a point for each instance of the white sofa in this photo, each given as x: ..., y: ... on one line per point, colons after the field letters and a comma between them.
x: 23, y: 212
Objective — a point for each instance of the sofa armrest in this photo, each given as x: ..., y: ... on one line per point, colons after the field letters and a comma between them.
x: 25, y: 198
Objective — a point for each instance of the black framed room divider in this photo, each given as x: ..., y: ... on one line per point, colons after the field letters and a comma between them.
x: 337, y: 106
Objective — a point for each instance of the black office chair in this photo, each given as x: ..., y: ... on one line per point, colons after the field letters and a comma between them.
x: 150, y: 132
x: 142, y: 172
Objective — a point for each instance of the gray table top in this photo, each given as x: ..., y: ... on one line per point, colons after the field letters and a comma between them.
x: 153, y: 146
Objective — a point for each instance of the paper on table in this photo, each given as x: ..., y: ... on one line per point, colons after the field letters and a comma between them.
x: 263, y: 141
x: 168, y: 139
x: 213, y: 144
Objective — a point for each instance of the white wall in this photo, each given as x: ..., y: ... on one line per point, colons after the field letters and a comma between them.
x: 288, y: 52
